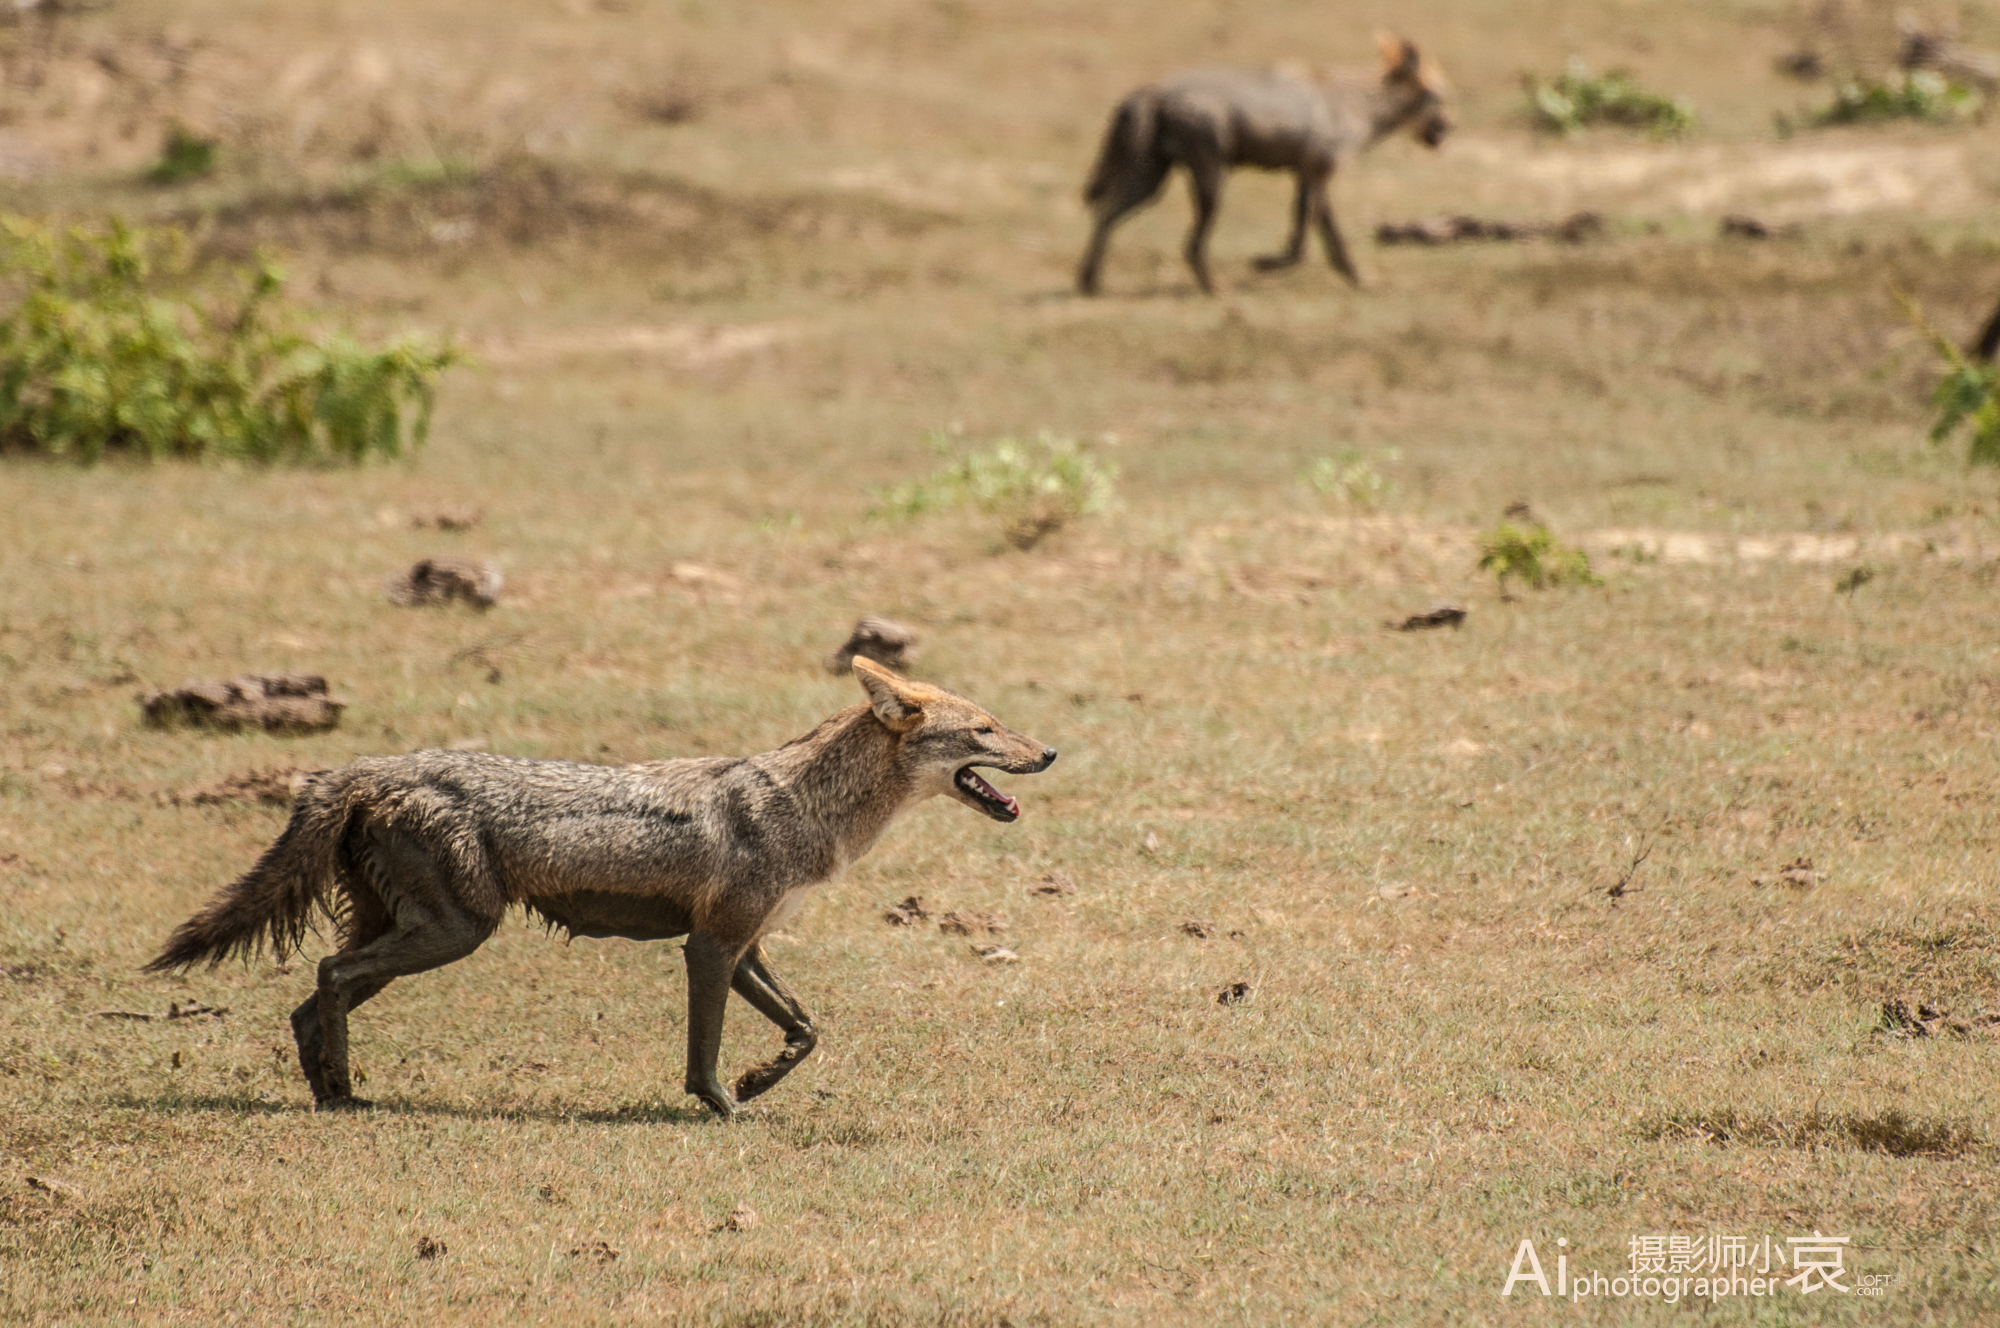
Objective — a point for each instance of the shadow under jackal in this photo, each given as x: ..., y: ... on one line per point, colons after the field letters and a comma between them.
x: 1209, y: 120
x: 417, y: 858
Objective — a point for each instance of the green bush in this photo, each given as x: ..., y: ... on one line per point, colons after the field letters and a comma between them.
x: 1577, y: 97
x: 1350, y: 477
x: 183, y: 157
x: 1921, y: 95
x: 1035, y: 490
x: 1969, y: 393
x: 1531, y: 554
x: 106, y: 350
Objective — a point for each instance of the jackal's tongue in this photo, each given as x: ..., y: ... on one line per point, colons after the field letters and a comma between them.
x: 973, y: 784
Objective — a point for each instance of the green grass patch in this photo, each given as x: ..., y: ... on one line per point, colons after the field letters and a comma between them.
x: 1577, y: 98
x: 113, y: 346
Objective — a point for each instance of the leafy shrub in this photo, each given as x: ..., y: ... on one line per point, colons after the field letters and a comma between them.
x: 183, y: 157
x: 1577, y: 97
x: 101, y: 354
x: 1351, y: 478
x: 1531, y: 554
x: 1035, y: 490
x: 1920, y: 95
x: 1969, y: 392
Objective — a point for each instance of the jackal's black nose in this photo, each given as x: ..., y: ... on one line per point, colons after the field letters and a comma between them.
x: 1048, y: 755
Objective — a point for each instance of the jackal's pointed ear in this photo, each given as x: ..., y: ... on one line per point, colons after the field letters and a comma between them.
x: 1398, y: 56
x: 895, y: 702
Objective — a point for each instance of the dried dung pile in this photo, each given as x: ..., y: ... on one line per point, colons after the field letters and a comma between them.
x: 889, y: 644
x: 276, y: 702
x: 473, y: 581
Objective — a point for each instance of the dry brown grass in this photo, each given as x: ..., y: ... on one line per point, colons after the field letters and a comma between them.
x: 708, y: 336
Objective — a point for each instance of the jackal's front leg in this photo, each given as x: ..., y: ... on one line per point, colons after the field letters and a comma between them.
x: 711, y: 967
x: 760, y: 986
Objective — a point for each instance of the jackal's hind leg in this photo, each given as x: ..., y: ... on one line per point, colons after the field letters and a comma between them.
x: 305, y: 1031
x: 1329, y: 234
x: 1134, y: 189
x: 1205, y: 175
x: 761, y: 987
x: 1302, y: 210
x: 711, y: 968
x: 431, y: 927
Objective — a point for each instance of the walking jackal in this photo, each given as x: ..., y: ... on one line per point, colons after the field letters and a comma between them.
x: 417, y: 857
x: 1209, y: 120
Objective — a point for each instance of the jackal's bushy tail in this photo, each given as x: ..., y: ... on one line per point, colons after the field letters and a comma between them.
x: 274, y: 901
x: 1128, y: 141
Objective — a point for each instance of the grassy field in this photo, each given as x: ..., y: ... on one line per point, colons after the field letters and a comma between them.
x: 1512, y: 904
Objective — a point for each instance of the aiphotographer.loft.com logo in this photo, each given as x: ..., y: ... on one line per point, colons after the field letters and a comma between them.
x: 1714, y: 1267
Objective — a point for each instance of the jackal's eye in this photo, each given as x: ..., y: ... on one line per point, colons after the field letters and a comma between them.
x: 983, y: 730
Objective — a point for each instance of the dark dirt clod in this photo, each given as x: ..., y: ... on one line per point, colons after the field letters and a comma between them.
x: 971, y: 922
x: 449, y: 517
x: 1053, y: 886
x: 278, y: 703
x: 428, y: 1248
x: 906, y: 914
x: 1744, y: 228
x: 1199, y: 928
x: 1573, y: 229
x: 1234, y: 993
x: 1910, y: 1017
x: 471, y: 581
x: 1437, y: 615
x: 889, y: 644
x: 596, y: 1249
x: 1797, y: 874
x: 268, y: 786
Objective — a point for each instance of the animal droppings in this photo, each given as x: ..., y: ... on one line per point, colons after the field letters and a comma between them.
x: 427, y: 1248
x: 471, y: 581
x: 450, y: 517
x: 887, y: 643
x: 596, y: 1250
x: 266, y: 786
x: 50, y: 1185
x: 1053, y: 886
x: 906, y: 914
x: 275, y: 702
x: 1744, y: 228
x: 1573, y: 229
x: 742, y: 1218
x: 971, y: 922
x: 1438, y: 615
x: 1199, y: 928
x: 1798, y: 874
x: 1234, y: 993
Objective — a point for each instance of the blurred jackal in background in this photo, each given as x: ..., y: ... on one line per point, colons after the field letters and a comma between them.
x: 1209, y: 120
x: 417, y: 858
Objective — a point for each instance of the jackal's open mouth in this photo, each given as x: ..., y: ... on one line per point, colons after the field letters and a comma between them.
x: 987, y: 798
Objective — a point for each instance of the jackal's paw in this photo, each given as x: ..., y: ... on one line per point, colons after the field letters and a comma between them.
x: 349, y: 1103
x: 1274, y: 262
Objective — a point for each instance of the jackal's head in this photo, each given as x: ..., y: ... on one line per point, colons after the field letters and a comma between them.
x: 945, y: 737
x: 1416, y: 89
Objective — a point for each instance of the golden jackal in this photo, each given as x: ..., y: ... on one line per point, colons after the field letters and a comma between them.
x: 417, y: 857
x: 1209, y: 120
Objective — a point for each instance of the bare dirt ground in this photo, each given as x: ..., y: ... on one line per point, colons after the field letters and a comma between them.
x: 1615, y: 912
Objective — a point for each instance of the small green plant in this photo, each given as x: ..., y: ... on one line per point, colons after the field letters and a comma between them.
x: 183, y: 157
x: 1531, y: 554
x: 1919, y: 95
x: 1969, y: 393
x: 1036, y: 489
x: 108, y: 350
x: 1577, y: 97
x: 1351, y: 478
